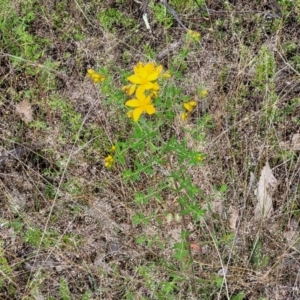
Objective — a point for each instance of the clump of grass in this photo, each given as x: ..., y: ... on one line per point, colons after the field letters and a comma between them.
x: 111, y: 18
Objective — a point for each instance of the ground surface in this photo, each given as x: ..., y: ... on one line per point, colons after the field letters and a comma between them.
x: 68, y: 225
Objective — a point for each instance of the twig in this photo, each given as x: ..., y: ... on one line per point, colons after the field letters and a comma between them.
x: 61, y: 75
x: 145, y: 18
x: 8, y: 278
x: 174, y: 14
x: 145, y: 15
x: 145, y: 6
x: 232, y: 12
x: 285, y: 62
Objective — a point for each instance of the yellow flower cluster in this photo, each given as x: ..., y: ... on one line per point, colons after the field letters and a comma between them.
x: 203, y: 93
x: 143, y: 80
x: 189, y: 107
x: 96, y: 77
x: 109, y: 160
x: 193, y: 35
x: 199, y: 158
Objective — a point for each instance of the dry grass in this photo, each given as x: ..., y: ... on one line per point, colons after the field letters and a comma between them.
x: 67, y: 229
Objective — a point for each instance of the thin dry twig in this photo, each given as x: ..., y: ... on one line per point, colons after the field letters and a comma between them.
x: 174, y: 14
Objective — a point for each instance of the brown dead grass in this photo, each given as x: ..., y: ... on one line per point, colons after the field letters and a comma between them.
x: 100, y: 254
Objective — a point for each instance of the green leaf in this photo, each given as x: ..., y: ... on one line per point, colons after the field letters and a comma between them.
x: 239, y: 296
x: 64, y: 289
x: 181, y: 251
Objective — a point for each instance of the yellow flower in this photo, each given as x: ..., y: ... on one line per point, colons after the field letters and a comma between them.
x: 167, y: 74
x: 129, y: 114
x: 155, y: 89
x: 184, y: 116
x: 96, y: 77
x: 199, y: 158
x: 189, y: 106
x: 141, y: 104
x: 129, y: 89
x: 203, y: 93
x: 193, y: 35
x: 113, y: 148
x: 108, y: 161
x: 144, y: 75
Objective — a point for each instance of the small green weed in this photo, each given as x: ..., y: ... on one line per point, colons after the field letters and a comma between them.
x: 112, y: 18
x: 17, y: 41
x: 161, y: 16
x: 64, y: 289
x: 265, y: 69
x: 6, y: 271
x: 165, y: 159
x: 186, y: 5
x: 70, y: 119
